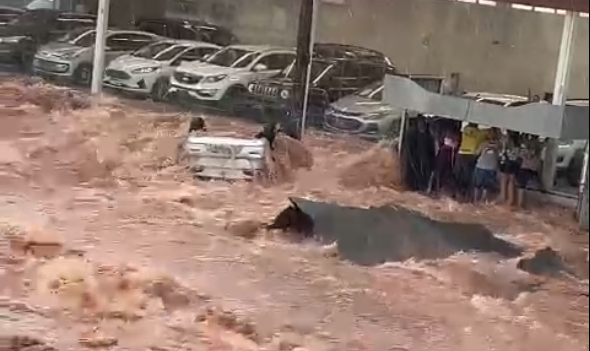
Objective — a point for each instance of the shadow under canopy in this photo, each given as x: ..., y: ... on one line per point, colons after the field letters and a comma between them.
x: 373, y: 236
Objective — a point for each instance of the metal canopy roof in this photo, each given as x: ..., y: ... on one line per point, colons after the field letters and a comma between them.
x: 571, y: 5
x: 546, y: 120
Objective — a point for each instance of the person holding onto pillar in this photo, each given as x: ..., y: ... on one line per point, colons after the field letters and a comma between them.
x: 471, y: 139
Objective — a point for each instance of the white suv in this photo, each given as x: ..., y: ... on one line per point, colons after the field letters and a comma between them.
x: 226, y: 74
x: 147, y: 71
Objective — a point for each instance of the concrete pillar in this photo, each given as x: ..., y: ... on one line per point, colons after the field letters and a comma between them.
x: 99, y: 46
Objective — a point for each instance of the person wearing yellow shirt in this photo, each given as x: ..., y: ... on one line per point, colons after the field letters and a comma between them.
x: 471, y: 139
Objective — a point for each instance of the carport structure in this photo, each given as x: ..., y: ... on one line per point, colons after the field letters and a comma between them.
x: 572, y: 7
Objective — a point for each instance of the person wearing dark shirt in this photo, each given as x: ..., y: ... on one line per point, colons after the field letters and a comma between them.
x: 424, y: 148
x: 443, y: 177
x: 196, y: 125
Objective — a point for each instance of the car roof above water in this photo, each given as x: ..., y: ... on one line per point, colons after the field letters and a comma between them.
x: 188, y: 42
x: 261, y: 48
x: 228, y: 141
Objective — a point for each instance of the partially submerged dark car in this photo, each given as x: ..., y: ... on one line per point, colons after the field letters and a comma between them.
x: 336, y: 71
x: 20, y: 39
x: 183, y: 29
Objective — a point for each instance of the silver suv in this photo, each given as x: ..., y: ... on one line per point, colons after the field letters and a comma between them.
x: 226, y: 74
x: 71, y: 57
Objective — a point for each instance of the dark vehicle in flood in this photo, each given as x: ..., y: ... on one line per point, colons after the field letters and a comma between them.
x: 336, y: 71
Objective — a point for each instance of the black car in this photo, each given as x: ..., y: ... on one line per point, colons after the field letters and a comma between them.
x: 8, y: 14
x: 336, y: 71
x: 187, y: 30
x: 20, y: 38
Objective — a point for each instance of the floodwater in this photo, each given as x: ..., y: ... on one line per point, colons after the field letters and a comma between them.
x: 107, y: 244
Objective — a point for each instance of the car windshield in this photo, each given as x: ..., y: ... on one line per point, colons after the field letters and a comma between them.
x: 372, y: 91
x: 317, y: 68
x: 85, y: 40
x: 232, y: 57
x: 153, y: 50
x: 71, y: 36
x: 26, y: 18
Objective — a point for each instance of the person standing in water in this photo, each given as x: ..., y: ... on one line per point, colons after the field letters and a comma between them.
x: 425, y: 153
x: 443, y: 177
x: 471, y: 139
x: 486, y: 168
x: 196, y: 125
x: 509, y: 166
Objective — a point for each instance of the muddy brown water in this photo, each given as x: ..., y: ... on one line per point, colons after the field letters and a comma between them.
x: 150, y: 259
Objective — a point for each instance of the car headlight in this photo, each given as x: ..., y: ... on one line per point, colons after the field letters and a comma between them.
x: 11, y: 40
x: 215, y: 79
x: 285, y: 94
x: 145, y: 70
x: 376, y: 116
x: 72, y: 54
x: 251, y: 87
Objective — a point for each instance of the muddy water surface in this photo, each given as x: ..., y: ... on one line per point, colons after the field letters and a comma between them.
x: 106, y: 243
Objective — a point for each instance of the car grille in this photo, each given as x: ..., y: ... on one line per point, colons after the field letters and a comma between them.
x: 113, y: 73
x: 348, y: 113
x: 187, y: 78
x: 265, y: 90
x: 344, y: 124
x: 50, y: 66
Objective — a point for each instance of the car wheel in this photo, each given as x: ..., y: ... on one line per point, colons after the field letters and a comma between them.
x: 83, y: 74
x: 230, y: 99
x: 160, y: 90
x: 26, y: 59
x: 574, y: 170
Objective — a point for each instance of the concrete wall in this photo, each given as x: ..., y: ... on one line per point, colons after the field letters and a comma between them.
x: 494, y: 48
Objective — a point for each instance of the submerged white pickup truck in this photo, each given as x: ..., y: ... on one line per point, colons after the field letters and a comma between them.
x: 226, y: 158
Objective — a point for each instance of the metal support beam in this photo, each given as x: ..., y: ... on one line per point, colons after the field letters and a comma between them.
x: 305, y: 104
x: 102, y: 25
x: 303, y: 58
x: 559, y: 93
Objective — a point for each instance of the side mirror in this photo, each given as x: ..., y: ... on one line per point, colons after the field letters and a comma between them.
x: 259, y: 67
x: 205, y: 57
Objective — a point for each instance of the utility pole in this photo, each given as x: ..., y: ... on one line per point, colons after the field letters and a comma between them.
x: 102, y: 25
x: 304, y: 52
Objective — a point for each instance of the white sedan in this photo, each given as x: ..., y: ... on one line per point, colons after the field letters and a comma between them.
x: 147, y: 71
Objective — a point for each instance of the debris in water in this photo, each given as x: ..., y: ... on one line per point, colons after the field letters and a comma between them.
x: 97, y: 339
x: 546, y: 262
